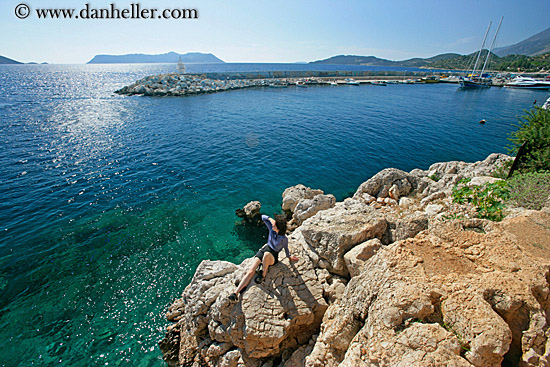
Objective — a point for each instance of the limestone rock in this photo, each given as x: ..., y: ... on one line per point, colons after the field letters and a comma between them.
x: 333, y: 232
x: 441, y: 293
x: 446, y: 297
x: 307, y: 208
x: 483, y: 180
x: 292, y: 195
x: 250, y: 212
x: 406, y: 227
x: 432, y: 197
x: 401, y: 184
x: 286, y: 309
x: 357, y: 257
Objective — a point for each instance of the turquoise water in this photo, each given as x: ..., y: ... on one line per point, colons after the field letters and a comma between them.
x: 110, y: 202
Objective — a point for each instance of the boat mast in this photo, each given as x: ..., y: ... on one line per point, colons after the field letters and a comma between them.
x: 492, y: 44
x: 482, y: 45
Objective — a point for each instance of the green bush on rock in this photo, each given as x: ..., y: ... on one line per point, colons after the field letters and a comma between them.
x: 531, y: 141
x: 530, y: 190
x: 487, y: 199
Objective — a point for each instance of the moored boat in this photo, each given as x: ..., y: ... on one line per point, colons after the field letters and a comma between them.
x: 351, y: 81
x: 474, y: 82
x: 481, y: 81
x: 430, y: 79
x: 528, y: 83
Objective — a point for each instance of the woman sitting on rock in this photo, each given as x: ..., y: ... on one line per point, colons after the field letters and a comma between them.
x: 269, y: 254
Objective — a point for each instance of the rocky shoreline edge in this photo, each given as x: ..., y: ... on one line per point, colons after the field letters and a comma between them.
x: 179, y: 85
x: 397, y: 275
x: 182, y: 85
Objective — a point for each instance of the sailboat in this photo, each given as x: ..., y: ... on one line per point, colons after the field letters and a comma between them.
x: 480, y: 82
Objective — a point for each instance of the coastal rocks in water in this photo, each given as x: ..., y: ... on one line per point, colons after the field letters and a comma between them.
x: 279, y: 315
x: 331, y: 233
x: 188, y: 84
x: 250, y: 212
x: 395, y: 286
x: 294, y: 194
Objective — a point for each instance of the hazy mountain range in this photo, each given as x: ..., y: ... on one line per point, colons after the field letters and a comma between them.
x: 5, y: 60
x: 168, y: 58
x: 375, y: 61
x: 536, y: 45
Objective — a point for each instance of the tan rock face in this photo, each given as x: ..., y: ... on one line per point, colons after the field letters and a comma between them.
x: 333, y: 232
x: 307, y: 208
x: 450, y: 296
x: 380, y: 284
x: 277, y: 315
x: 294, y: 194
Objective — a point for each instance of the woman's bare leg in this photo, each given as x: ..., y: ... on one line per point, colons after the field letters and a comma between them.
x: 267, y: 261
x: 248, y: 277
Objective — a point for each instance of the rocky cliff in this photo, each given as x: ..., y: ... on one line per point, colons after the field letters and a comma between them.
x: 385, y: 278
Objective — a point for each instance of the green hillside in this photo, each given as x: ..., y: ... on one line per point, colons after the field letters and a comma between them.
x: 375, y: 61
x: 511, y: 63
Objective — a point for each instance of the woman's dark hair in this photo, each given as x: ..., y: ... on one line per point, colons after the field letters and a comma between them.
x: 280, y: 221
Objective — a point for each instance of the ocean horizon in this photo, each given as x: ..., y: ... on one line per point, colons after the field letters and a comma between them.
x: 110, y: 202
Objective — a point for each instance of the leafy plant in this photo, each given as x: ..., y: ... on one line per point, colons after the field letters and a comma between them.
x: 453, y: 216
x: 531, y: 141
x: 435, y: 177
x: 488, y: 199
x: 530, y: 190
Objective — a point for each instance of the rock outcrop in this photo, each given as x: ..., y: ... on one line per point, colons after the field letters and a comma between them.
x: 250, y: 213
x: 385, y: 278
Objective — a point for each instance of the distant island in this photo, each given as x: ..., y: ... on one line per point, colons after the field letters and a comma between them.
x: 167, y: 58
x: 5, y: 60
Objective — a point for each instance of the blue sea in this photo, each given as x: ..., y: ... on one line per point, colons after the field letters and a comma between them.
x: 109, y: 203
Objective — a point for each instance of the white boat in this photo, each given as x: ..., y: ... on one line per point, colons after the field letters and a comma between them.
x: 350, y: 81
x: 546, y: 104
x: 527, y: 82
x: 301, y: 84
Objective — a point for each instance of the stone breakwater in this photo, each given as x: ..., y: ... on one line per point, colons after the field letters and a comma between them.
x: 385, y: 278
x: 184, y: 84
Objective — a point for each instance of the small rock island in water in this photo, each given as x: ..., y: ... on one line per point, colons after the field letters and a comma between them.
x: 397, y: 275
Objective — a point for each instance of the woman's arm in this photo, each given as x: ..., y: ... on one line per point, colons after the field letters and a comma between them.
x: 268, y: 221
x: 285, y: 246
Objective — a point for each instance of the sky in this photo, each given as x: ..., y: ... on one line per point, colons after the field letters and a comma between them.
x: 284, y: 31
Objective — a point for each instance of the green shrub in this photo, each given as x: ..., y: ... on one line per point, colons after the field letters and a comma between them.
x: 530, y: 190
x: 488, y: 199
x: 435, y: 177
x: 534, y: 132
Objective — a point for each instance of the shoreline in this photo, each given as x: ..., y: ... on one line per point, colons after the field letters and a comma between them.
x: 399, y: 248
x: 175, y: 84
